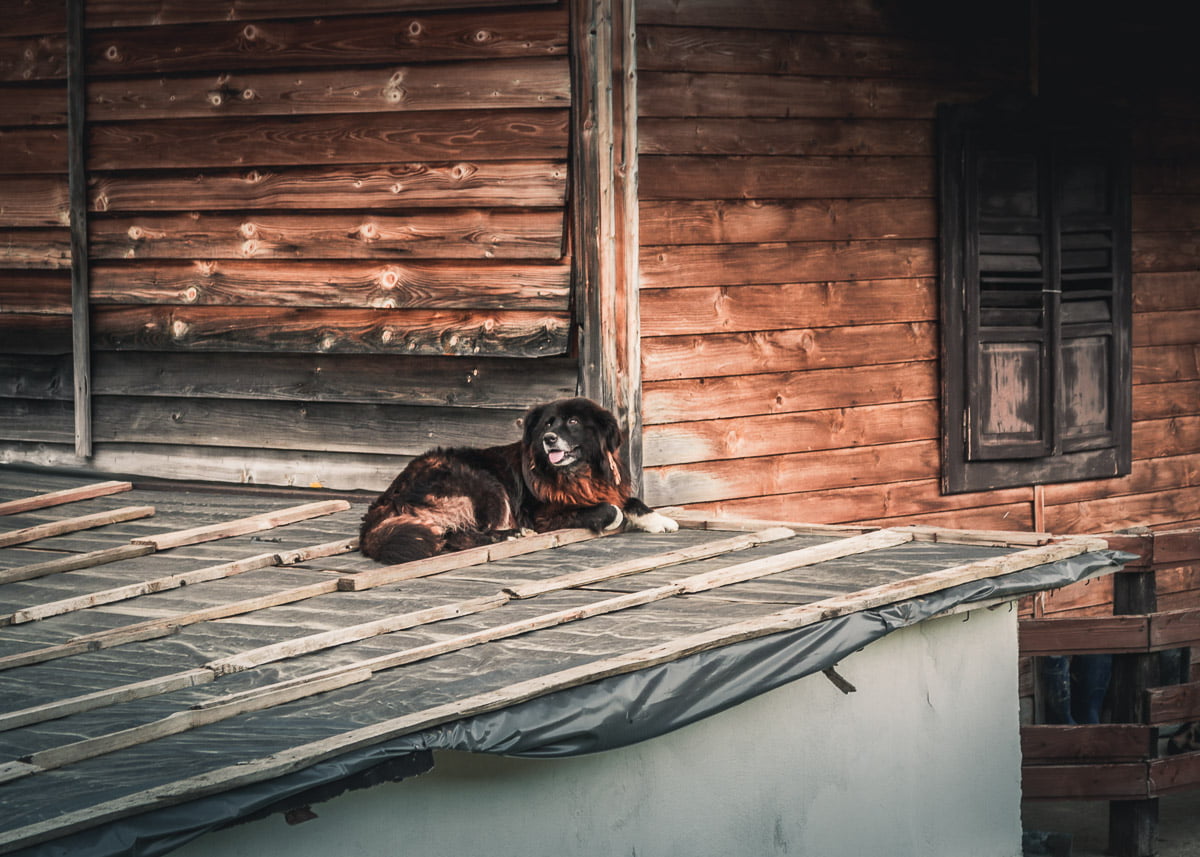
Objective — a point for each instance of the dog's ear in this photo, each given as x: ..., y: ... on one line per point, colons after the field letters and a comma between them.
x: 610, y: 431
x: 531, y: 422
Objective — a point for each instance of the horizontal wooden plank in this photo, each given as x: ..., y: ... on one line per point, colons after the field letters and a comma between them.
x: 281, y: 140
x: 714, y: 135
x: 1109, y: 742
x: 1114, y: 781
x: 36, y: 376
x: 788, y: 177
x: 243, y: 526
x: 34, y: 200
x: 1174, y: 704
x: 524, y: 83
x: 775, y: 434
x: 769, y: 221
x: 443, y: 234
x: 24, y: 105
x: 1164, y: 363
x: 918, y: 500
x: 1154, y: 291
x: 1164, y: 214
x: 1173, y: 436
x: 1108, y: 514
x: 669, y: 93
x: 414, y: 381
x: 1080, y: 635
x: 328, y: 41
x: 1148, y: 476
x: 331, y: 427
x: 500, y: 333
x: 750, y: 51
x: 788, y: 350
x: 850, y: 16
x: 33, y: 150
x: 141, y: 13
x: 1161, y: 401
x: 795, y: 472
x: 35, y: 333
x: 341, y: 182
x: 236, y: 465
x: 1165, y: 251
x: 815, y: 262
x: 1170, y: 327
x: 676, y: 311
x: 74, y: 525
x: 46, y: 248
x: 66, y: 495
x: 1175, y: 774
x: 36, y: 292
x: 478, y: 284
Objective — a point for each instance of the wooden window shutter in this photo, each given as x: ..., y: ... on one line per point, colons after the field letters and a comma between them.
x: 1035, y: 238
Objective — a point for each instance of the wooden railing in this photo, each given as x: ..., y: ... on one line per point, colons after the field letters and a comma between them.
x: 1120, y: 761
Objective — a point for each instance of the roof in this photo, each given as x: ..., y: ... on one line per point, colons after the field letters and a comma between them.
x: 233, y: 643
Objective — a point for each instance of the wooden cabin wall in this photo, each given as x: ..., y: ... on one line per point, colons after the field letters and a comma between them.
x: 322, y: 237
x: 788, y: 265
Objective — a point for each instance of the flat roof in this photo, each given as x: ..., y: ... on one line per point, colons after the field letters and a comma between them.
x: 164, y: 645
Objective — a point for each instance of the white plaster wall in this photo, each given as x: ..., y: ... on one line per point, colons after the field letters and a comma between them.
x: 924, y: 759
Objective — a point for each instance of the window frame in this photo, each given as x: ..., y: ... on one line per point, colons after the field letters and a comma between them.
x: 964, y: 468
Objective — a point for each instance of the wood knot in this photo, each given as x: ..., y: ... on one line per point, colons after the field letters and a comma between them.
x: 179, y: 329
x: 113, y: 54
x: 389, y: 279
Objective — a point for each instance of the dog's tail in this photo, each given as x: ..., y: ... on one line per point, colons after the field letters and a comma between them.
x: 396, y: 540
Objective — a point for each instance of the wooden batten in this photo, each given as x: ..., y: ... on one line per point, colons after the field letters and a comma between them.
x: 69, y: 495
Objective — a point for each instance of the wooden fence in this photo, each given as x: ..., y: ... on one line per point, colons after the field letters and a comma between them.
x: 1120, y: 761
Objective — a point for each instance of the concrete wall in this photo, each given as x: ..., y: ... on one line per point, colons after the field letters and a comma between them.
x: 923, y: 759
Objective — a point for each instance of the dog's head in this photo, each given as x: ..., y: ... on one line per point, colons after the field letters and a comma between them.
x: 564, y: 435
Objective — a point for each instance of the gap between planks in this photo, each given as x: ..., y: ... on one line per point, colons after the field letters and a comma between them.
x: 283, y: 762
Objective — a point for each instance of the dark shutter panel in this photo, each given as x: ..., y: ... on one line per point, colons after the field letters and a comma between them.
x: 1007, y: 270
x: 1091, y: 212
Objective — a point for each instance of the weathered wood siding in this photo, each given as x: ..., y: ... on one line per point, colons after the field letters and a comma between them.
x: 788, y: 266
x: 317, y: 244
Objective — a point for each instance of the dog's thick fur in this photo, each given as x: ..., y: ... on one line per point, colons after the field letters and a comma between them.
x: 564, y: 472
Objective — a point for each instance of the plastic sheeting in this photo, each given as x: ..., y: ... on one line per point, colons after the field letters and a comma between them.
x: 603, y: 715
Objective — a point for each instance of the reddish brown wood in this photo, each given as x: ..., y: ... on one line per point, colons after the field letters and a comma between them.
x: 1173, y: 704
x: 1084, y: 635
x: 774, y: 136
x: 379, y: 187
x: 498, y: 333
x: 466, y: 234
x: 1042, y: 745
x: 446, y: 285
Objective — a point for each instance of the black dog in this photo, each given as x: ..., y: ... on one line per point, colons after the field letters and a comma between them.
x: 564, y: 472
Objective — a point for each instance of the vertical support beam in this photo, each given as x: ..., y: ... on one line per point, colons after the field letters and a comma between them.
x: 1133, y: 824
x: 77, y: 183
x: 604, y: 210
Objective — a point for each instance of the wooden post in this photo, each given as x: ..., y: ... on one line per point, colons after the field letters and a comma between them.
x: 1133, y: 824
x: 77, y: 190
x: 604, y: 211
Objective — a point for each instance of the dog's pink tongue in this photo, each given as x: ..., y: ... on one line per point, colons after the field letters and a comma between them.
x: 556, y: 455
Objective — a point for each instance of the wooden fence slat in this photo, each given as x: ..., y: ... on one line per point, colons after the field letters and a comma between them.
x: 1081, y: 635
x: 1173, y: 704
x: 1106, y: 742
x: 91, y: 559
x: 242, y: 526
x: 74, y: 525
x: 67, y: 495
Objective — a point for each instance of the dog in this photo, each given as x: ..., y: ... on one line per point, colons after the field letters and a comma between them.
x: 563, y: 472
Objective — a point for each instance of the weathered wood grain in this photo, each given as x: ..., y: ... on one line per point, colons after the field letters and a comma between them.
x: 72, y: 562
x: 39, y: 200
x: 727, y: 397
x: 40, y: 248
x: 780, y: 434
x: 498, y: 85
x: 29, y: 150
x: 1162, y: 363
x: 66, y: 495
x: 761, y: 177
x: 668, y: 93
x: 352, y: 284
x: 753, y: 352
x: 714, y: 135
x: 273, y: 140
x: 328, y: 41
x: 459, y: 234
x: 770, y: 221
x: 296, y: 184
x: 678, y: 311
x: 36, y: 292
x: 74, y: 525
x: 500, y: 333
x: 415, y: 381
x: 251, y: 524
x: 119, y: 13
x: 35, y: 333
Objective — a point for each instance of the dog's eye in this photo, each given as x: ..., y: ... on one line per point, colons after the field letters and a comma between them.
x: 573, y: 421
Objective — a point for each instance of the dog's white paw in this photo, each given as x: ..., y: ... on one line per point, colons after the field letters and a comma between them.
x: 655, y: 522
x: 616, y: 521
